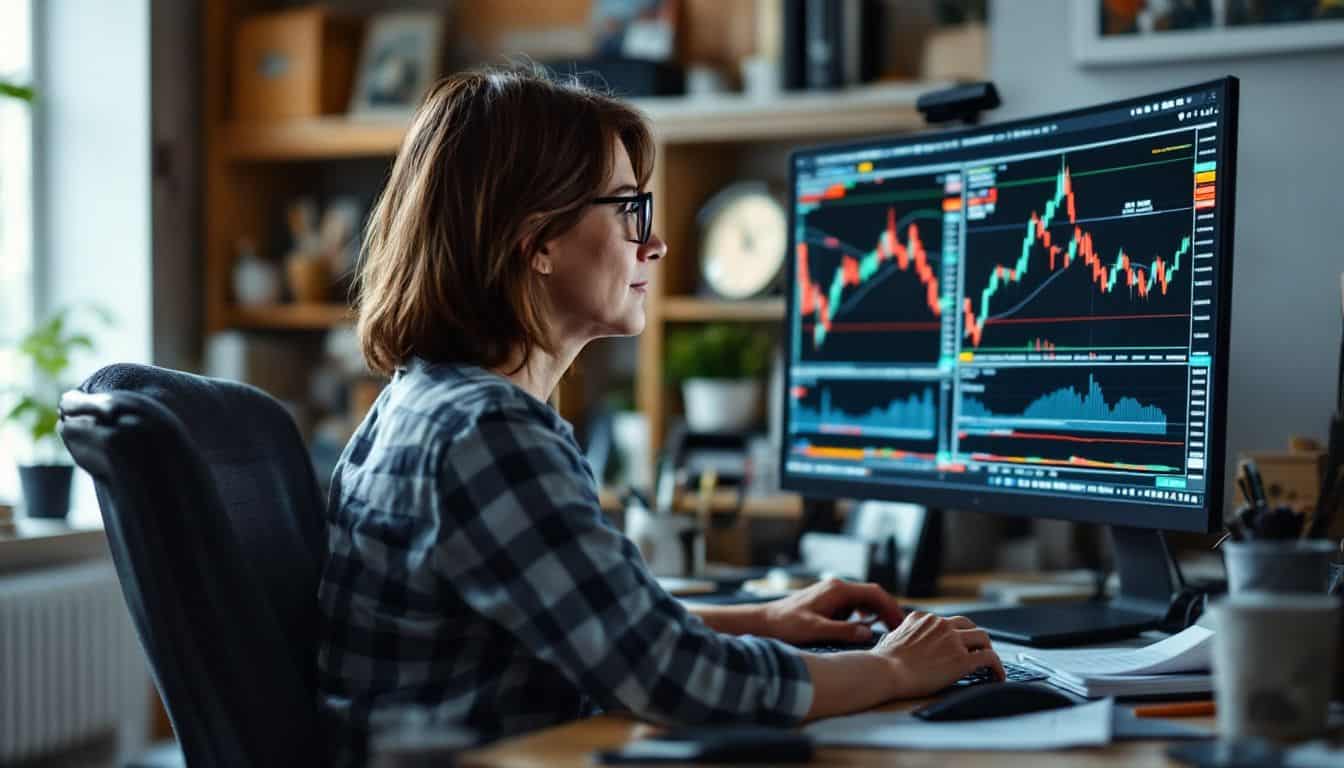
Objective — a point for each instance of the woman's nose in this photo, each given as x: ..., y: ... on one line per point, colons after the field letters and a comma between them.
x: 653, y: 250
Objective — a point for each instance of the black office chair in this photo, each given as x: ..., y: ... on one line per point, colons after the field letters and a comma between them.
x: 215, y: 524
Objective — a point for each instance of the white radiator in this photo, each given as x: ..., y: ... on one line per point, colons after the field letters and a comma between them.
x: 71, y: 667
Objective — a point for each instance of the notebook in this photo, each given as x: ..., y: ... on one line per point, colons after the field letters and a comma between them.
x: 1179, y: 664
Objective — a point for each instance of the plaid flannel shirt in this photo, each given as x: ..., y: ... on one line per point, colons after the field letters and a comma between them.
x: 472, y: 573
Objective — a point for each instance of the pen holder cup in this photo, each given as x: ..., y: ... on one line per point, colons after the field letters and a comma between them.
x: 1275, y: 565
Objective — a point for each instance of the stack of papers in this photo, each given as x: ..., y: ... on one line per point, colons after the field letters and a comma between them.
x: 1179, y: 664
x: 1086, y: 725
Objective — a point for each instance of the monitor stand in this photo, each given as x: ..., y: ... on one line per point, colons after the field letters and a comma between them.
x: 1146, y: 588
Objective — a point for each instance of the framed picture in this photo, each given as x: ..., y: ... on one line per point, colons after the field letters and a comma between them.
x: 1111, y: 32
x: 399, y: 61
x: 635, y: 29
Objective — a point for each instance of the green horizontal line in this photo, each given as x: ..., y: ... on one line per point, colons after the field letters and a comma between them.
x: 1051, y: 179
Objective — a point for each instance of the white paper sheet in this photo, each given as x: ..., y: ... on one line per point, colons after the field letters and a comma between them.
x: 1188, y: 651
x: 1086, y: 725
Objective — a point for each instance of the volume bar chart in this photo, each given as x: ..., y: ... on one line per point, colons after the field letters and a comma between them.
x: 1120, y: 417
x: 910, y: 418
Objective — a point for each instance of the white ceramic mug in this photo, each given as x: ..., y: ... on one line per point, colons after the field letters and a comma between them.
x: 1274, y: 660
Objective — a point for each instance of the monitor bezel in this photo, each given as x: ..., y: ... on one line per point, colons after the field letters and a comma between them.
x: 1003, y: 502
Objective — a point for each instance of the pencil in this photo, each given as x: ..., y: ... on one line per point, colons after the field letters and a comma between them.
x: 1180, y: 709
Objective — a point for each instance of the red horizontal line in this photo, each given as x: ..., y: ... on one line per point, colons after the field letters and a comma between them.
x: 867, y: 327
x: 1008, y: 321
x: 1072, y: 439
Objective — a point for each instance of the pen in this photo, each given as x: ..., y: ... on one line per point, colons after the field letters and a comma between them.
x: 1252, y: 471
x: 1179, y: 709
x: 1246, y: 522
x: 1245, y: 489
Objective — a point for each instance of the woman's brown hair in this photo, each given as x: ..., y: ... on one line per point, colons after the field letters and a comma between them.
x: 496, y: 162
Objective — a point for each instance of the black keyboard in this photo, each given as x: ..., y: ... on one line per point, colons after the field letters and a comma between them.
x: 1015, y: 673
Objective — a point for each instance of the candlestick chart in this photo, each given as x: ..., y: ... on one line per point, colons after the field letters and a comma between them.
x: 1087, y: 251
x: 868, y: 271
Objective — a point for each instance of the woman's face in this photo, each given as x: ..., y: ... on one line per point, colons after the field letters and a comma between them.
x: 595, y: 275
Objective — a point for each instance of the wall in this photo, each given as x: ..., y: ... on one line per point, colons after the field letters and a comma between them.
x: 92, y: 240
x: 1288, y: 250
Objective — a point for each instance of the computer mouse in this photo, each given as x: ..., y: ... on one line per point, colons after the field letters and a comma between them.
x: 994, y: 700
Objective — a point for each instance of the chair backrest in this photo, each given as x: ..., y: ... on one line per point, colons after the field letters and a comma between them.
x: 215, y: 523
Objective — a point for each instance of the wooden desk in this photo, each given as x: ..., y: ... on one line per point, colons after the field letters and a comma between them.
x: 573, y: 744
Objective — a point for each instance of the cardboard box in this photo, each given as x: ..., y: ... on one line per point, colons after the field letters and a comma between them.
x: 293, y: 64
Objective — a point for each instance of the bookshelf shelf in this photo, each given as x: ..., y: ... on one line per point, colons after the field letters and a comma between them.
x: 296, y: 317
x: 694, y: 309
x: 728, y: 118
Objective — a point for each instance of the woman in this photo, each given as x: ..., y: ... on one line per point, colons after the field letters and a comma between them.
x: 471, y: 570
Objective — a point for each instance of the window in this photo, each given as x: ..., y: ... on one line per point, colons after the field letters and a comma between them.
x: 16, y: 214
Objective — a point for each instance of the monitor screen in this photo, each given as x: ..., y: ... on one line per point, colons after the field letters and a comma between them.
x: 1023, y: 318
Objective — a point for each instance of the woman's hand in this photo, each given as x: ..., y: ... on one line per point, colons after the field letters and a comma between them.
x: 922, y: 655
x: 819, y: 613
x: 931, y: 652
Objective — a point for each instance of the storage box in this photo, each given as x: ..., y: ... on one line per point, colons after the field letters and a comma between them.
x: 297, y: 63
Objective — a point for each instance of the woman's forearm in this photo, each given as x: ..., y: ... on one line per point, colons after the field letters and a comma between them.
x: 850, y: 682
x: 731, y: 619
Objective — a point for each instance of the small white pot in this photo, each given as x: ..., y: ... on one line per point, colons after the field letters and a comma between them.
x: 721, y: 405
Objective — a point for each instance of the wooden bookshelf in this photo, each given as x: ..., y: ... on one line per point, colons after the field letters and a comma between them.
x: 252, y: 169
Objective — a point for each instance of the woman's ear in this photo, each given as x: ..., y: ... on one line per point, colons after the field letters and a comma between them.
x: 541, y: 260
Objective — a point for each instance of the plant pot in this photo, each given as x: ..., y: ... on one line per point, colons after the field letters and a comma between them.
x: 721, y: 405
x: 46, y: 490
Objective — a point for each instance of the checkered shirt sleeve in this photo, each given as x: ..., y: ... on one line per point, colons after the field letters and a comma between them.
x: 528, y: 548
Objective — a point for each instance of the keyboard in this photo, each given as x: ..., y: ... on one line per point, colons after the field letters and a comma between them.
x: 1015, y: 673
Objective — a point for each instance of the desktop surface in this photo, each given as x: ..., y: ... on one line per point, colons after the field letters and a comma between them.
x: 572, y: 745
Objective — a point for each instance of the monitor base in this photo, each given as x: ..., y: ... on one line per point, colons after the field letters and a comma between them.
x: 1147, y: 587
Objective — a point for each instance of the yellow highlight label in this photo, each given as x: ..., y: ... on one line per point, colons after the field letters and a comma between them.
x: 1204, y: 176
x: 1172, y: 148
x: 966, y: 357
x: 865, y: 167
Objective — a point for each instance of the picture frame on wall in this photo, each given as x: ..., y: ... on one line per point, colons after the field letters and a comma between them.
x: 1120, y: 32
x: 398, y: 62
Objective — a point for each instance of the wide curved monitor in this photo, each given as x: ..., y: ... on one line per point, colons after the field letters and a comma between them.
x: 1024, y: 318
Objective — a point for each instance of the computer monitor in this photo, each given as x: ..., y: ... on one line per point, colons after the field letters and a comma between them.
x: 1026, y: 318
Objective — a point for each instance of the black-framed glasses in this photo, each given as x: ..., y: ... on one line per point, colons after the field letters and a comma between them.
x: 640, y: 206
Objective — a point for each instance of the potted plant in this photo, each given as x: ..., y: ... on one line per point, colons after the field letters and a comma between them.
x: 47, y: 349
x: 719, y: 368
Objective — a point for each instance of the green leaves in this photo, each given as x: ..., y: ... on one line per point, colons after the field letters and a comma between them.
x: 38, y: 418
x: 717, y: 351
x: 49, y: 347
x: 15, y: 91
